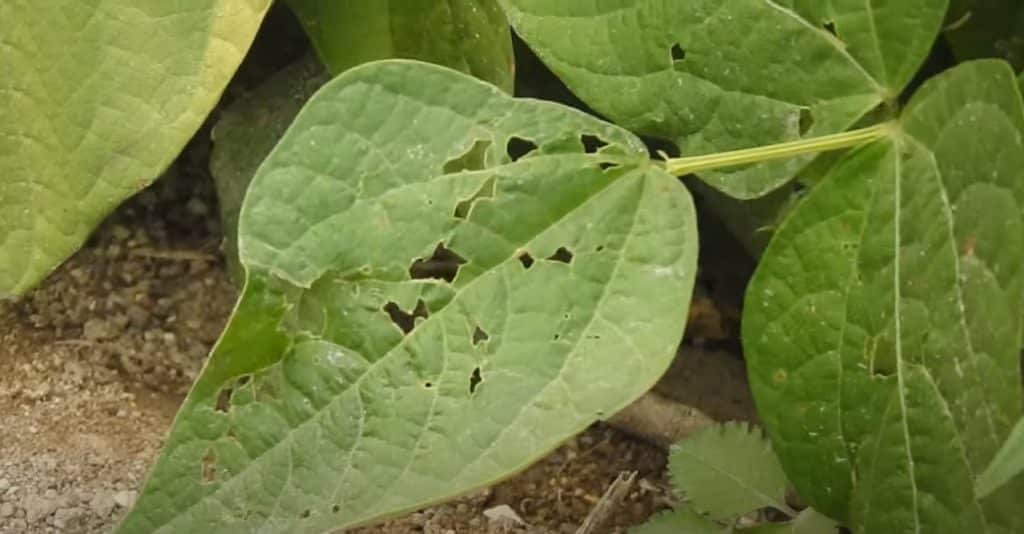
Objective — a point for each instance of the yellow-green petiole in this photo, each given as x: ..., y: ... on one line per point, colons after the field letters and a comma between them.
x: 696, y: 164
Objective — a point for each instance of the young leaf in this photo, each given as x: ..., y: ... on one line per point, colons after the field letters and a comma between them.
x: 1008, y: 463
x: 681, y: 520
x: 883, y: 328
x: 96, y: 99
x: 443, y: 284
x: 715, y: 76
x: 468, y: 35
x: 728, y: 470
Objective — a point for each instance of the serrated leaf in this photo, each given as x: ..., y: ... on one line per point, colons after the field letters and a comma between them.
x: 468, y: 35
x: 679, y: 521
x: 728, y: 470
x: 714, y: 76
x: 317, y: 411
x: 96, y: 100
x: 883, y: 327
x: 1007, y: 464
x: 987, y: 28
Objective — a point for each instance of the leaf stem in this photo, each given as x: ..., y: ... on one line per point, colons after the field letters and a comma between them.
x: 696, y: 164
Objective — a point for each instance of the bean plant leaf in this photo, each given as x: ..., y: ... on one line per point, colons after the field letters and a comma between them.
x: 987, y: 28
x: 1008, y: 463
x: 714, y: 76
x: 247, y: 131
x: 883, y: 328
x: 96, y: 100
x: 468, y: 35
x: 728, y: 470
x: 443, y: 284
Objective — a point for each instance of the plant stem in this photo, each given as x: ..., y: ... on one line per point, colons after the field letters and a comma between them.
x: 695, y: 164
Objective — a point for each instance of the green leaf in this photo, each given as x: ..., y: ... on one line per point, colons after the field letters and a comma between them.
x: 96, y: 100
x: 883, y: 328
x: 247, y: 131
x: 317, y: 411
x: 987, y: 28
x: 728, y: 470
x: 715, y: 76
x: 468, y: 35
x: 1008, y: 463
x: 681, y: 520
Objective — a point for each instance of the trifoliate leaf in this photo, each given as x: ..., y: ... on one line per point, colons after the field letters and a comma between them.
x: 882, y: 330
x: 96, y: 100
x: 443, y: 284
x: 714, y: 76
x: 728, y: 470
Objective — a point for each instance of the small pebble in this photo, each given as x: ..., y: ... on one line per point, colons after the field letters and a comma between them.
x: 125, y: 499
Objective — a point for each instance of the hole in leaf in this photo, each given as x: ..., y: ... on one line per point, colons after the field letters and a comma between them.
x: 518, y: 147
x: 830, y: 27
x: 443, y: 264
x: 336, y: 508
x: 402, y: 319
x: 470, y: 160
x: 526, y: 259
x: 599, y: 248
x: 464, y: 206
x: 243, y: 380
x: 592, y: 143
x: 562, y: 255
x: 474, y: 380
x: 806, y: 121
x: 209, y: 464
x: 479, y: 336
x: 223, y: 403
x: 678, y: 53
x: 428, y: 385
x: 605, y: 166
x: 556, y: 337
x: 305, y: 514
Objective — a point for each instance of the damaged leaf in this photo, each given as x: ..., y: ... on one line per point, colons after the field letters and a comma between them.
x: 360, y: 384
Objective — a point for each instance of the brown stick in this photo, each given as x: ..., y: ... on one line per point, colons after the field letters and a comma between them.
x: 613, y: 496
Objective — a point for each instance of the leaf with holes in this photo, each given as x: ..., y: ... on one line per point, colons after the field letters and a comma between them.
x: 883, y: 328
x: 715, y: 76
x: 96, y: 100
x: 468, y: 35
x: 443, y: 284
x: 728, y: 470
